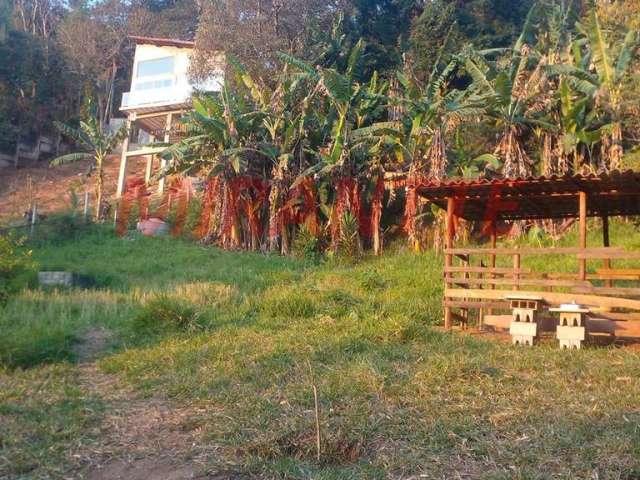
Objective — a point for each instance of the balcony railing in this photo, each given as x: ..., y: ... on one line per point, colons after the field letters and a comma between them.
x: 179, y: 93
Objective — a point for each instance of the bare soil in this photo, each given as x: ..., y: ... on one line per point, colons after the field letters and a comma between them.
x: 140, y: 438
x: 51, y: 186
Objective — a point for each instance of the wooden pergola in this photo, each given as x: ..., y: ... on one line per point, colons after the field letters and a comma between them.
x: 491, y: 201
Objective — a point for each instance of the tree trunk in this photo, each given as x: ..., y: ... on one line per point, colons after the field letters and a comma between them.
x: 274, y: 201
x: 285, y: 240
x: 235, y: 233
x: 99, y: 182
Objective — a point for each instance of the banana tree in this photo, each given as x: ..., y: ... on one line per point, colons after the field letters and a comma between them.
x: 98, y: 145
x: 415, y: 145
x: 591, y: 75
x: 516, y: 95
x: 222, y: 141
x: 286, y: 110
x: 599, y: 74
x: 342, y: 149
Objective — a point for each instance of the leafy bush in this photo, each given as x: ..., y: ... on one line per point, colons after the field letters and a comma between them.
x: 371, y: 279
x: 308, y: 246
x: 164, y: 314
x: 194, y: 212
x: 15, y: 264
x: 59, y: 228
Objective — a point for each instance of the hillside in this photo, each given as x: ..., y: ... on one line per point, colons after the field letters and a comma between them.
x: 192, y: 362
x: 51, y: 186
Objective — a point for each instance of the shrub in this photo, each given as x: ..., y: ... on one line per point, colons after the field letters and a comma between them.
x: 371, y: 279
x: 349, y: 247
x: 59, y: 228
x: 15, y: 264
x: 194, y: 212
x: 164, y: 314
x: 308, y: 246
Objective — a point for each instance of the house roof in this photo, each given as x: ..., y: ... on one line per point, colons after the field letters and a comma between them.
x: 162, y: 42
x: 608, y: 194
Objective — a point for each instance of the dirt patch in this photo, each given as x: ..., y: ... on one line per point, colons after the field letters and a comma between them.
x: 139, y: 438
x: 93, y: 342
x: 51, y: 186
x: 145, y: 469
x: 146, y: 439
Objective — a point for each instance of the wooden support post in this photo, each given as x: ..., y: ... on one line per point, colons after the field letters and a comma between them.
x: 606, y: 243
x: 448, y: 258
x: 149, y: 168
x: 583, y: 235
x: 34, y: 218
x: 85, y: 211
x: 122, y: 174
x: 516, y: 270
x: 492, y: 257
x: 494, y: 239
x: 465, y: 311
x: 163, y: 162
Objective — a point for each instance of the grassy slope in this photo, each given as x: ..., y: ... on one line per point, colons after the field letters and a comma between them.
x: 397, y: 398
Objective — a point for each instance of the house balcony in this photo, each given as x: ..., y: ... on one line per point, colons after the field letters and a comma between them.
x: 162, y: 98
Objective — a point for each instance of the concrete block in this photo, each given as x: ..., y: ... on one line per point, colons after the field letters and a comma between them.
x: 65, y: 279
x: 523, y: 333
x: 570, y: 337
x: 56, y: 279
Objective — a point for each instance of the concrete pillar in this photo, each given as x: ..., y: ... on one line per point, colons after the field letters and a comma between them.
x: 149, y: 169
x: 122, y: 174
x: 583, y: 234
x: 163, y: 162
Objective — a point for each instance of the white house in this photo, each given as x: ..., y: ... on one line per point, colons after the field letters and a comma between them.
x: 160, y: 94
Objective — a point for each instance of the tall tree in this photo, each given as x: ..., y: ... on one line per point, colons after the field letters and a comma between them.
x: 92, y: 40
x: 484, y: 23
x: 254, y: 30
x: 385, y: 26
x: 32, y: 90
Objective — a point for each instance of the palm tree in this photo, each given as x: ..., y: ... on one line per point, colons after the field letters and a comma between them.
x: 98, y: 145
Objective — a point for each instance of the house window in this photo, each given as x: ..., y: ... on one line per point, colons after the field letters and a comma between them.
x: 155, y: 67
x: 151, y: 84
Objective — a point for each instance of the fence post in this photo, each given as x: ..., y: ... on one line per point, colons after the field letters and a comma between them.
x: 582, y: 264
x: 448, y: 257
x: 516, y: 271
x: 115, y: 214
x: 34, y: 216
x: 85, y: 211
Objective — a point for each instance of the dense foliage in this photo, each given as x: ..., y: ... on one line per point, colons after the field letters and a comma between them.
x: 321, y: 144
x: 55, y: 53
x: 333, y: 113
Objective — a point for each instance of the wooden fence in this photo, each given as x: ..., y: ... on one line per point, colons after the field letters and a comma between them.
x: 480, y: 279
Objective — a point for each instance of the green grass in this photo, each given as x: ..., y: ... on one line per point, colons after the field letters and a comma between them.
x: 244, y: 337
x: 44, y: 417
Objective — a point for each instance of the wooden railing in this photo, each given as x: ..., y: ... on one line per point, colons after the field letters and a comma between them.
x: 473, y: 282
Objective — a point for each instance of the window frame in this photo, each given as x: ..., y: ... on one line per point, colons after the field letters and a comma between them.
x: 156, y: 75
